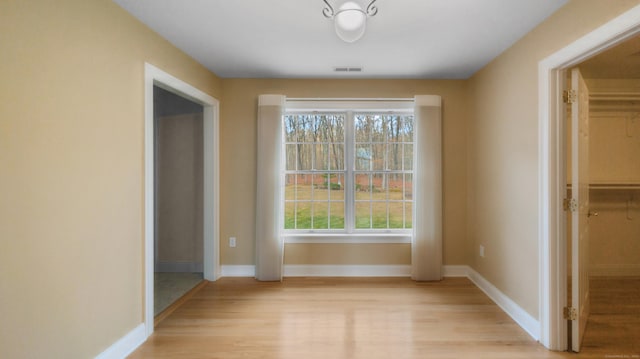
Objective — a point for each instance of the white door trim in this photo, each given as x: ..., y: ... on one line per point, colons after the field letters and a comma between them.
x: 552, y: 169
x: 155, y: 76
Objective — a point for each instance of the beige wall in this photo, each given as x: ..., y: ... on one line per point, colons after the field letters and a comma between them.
x: 238, y: 167
x: 503, y: 150
x: 71, y: 172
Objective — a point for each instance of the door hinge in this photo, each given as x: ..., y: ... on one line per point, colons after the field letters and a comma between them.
x: 569, y: 204
x: 569, y: 96
x: 570, y: 313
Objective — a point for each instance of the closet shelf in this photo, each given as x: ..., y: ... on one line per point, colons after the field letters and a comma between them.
x: 612, y: 186
x: 614, y: 96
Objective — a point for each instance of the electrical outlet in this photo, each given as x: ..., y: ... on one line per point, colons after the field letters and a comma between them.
x: 482, y: 251
x: 232, y: 242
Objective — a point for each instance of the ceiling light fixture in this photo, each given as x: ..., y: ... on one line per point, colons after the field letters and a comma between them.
x: 350, y: 20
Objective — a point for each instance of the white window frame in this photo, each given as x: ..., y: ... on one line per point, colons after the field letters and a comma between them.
x: 349, y: 107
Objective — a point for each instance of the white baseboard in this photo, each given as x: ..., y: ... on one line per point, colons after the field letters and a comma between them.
x: 180, y: 267
x: 238, y: 271
x: 615, y: 270
x: 125, y: 345
x: 294, y: 270
x: 530, y: 324
x: 455, y: 271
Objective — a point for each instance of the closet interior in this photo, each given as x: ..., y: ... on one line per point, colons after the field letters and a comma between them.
x: 613, y: 82
x: 179, y: 198
x: 614, y: 173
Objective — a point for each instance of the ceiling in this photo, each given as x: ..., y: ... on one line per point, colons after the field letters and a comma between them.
x: 449, y: 39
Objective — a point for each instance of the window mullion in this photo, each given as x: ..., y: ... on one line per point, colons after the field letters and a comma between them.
x: 349, y: 179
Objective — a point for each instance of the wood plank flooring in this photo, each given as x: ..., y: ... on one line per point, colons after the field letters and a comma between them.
x: 342, y: 318
x: 613, y: 329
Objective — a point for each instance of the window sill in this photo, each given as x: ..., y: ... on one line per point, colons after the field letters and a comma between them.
x: 347, y: 238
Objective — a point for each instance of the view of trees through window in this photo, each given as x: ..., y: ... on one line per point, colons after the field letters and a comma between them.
x: 383, y: 171
x: 328, y: 162
x: 315, y: 170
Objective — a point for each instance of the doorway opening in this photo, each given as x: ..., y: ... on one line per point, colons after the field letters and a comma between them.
x: 553, y: 175
x: 612, y: 80
x: 192, y: 134
x: 179, y: 183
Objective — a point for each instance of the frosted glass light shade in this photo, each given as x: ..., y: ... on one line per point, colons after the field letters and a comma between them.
x: 350, y: 22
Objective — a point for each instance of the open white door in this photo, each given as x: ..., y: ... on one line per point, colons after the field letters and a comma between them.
x: 580, y: 209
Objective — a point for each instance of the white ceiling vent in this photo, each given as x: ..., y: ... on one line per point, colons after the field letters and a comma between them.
x: 347, y: 69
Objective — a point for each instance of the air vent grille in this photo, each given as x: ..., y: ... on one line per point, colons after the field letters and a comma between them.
x: 347, y: 69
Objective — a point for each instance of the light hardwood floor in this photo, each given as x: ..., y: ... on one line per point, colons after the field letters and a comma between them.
x: 342, y: 318
x: 613, y: 329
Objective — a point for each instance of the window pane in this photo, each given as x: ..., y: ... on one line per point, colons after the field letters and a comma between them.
x: 290, y: 128
x: 336, y: 130
x: 363, y: 215
x: 329, y: 128
x: 407, y: 129
x: 337, y: 215
x: 379, y: 214
x: 303, y: 187
x: 408, y: 157
x: 303, y: 215
x: 321, y: 157
x: 337, y: 187
x: 408, y: 186
x: 378, y: 128
x: 363, y: 157
x: 320, y: 215
x: 291, y: 157
x: 378, y: 186
x: 320, y: 190
x: 320, y: 128
x: 396, y: 214
x: 378, y: 156
x: 363, y: 187
x: 362, y: 129
x: 396, y: 186
x: 333, y: 182
x: 290, y: 187
x: 336, y: 160
x: 394, y: 129
x: 394, y: 157
x: 305, y: 128
x: 408, y: 210
x: 289, y: 215
x: 304, y: 157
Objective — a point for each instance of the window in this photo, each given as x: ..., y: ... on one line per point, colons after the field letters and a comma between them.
x: 348, y: 171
